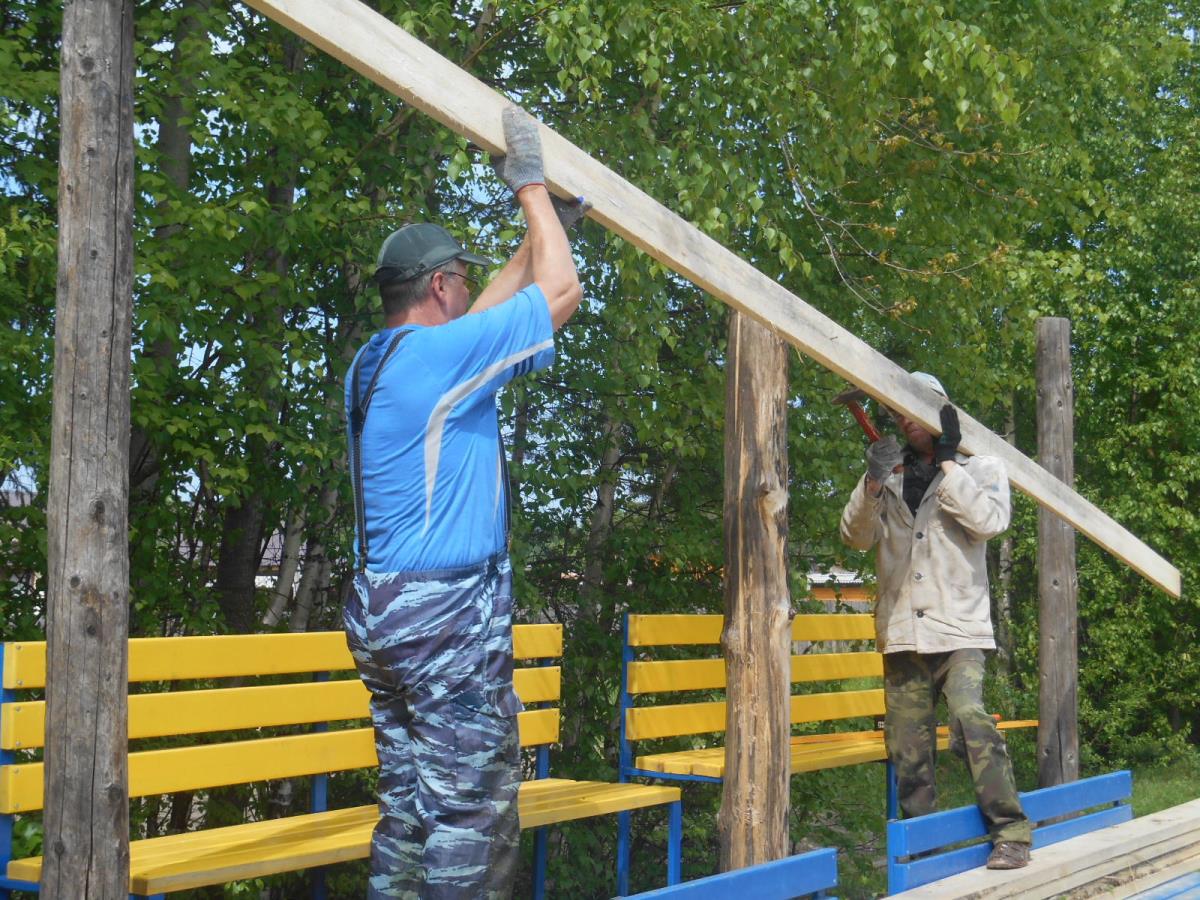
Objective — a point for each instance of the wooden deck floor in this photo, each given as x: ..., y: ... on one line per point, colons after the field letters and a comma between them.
x: 1123, y: 861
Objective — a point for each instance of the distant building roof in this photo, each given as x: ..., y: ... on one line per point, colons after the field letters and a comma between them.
x: 834, y: 576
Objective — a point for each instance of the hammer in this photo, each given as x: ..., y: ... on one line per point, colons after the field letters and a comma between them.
x: 851, y: 399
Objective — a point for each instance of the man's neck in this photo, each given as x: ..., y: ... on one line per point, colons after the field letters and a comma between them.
x: 425, y: 314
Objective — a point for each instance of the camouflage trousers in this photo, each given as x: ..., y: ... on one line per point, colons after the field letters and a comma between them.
x: 912, y: 682
x: 435, y: 651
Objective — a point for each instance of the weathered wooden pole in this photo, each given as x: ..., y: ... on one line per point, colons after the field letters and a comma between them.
x: 1058, y: 584
x: 753, y: 821
x: 87, y: 618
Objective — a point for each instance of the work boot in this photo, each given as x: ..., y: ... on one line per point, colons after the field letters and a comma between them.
x: 1009, y: 855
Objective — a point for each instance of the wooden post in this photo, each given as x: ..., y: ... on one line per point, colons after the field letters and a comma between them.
x: 753, y: 820
x: 87, y: 620
x: 1058, y: 585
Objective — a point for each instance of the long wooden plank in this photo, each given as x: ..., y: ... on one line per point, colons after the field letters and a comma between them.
x: 22, y: 724
x: 382, y: 51
x: 235, y: 655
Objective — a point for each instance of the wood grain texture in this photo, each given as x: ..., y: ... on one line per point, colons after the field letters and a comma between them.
x: 383, y: 52
x: 755, y: 641
x: 87, y: 617
x: 1058, y: 579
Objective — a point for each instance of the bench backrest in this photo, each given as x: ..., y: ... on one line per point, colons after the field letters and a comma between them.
x: 185, y: 710
x: 1106, y: 795
x: 824, y: 660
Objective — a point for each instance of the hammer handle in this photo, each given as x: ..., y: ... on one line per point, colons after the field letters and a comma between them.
x: 867, y: 426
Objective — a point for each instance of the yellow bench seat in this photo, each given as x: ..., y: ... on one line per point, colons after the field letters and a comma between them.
x: 181, y: 861
x: 809, y: 753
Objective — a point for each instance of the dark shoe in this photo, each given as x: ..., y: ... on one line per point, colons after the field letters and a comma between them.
x: 1009, y: 855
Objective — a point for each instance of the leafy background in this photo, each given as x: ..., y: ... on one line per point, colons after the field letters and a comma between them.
x: 933, y: 176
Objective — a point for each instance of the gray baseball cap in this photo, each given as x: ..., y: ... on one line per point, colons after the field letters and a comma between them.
x: 419, y: 248
x: 928, y: 379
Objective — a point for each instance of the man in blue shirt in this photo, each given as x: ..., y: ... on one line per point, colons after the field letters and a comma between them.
x: 430, y: 620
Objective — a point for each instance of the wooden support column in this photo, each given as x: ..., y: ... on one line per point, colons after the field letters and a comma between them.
x: 87, y: 618
x: 1058, y: 584
x: 753, y: 821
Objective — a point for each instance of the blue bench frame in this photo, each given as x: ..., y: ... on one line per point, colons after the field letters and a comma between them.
x: 627, y: 771
x: 795, y: 876
x: 924, y: 834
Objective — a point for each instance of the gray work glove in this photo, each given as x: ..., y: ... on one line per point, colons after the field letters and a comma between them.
x: 882, y: 457
x: 569, y: 212
x: 521, y: 164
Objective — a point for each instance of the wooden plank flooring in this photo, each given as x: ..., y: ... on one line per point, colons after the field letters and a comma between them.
x: 1120, y: 861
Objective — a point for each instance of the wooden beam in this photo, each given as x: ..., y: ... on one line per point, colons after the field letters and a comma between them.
x: 389, y: 56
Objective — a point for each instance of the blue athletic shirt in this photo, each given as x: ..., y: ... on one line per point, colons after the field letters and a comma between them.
x: 434, y: 483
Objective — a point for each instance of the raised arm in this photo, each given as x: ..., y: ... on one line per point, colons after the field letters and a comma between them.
x: 544, y: 257
x: 550, y: 255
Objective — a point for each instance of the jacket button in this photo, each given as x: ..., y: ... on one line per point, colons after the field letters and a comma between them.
x: 918, y: 576
x: 920, y: 613
x: 920, y: 534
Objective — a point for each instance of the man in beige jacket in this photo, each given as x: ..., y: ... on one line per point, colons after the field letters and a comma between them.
x: 930, y: 522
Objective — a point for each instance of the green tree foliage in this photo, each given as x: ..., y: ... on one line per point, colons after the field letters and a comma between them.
x: 932, y: 176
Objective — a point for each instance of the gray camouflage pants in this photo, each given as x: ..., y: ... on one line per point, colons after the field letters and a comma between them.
x: 912, y: 682
x: 435, y: 651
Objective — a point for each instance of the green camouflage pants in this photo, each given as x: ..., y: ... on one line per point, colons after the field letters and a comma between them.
x: 912, y: 682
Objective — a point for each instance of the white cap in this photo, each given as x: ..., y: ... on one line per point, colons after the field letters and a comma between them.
x: 932, y: 382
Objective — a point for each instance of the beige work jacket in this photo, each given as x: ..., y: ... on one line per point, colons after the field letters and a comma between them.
x: 932, y: 569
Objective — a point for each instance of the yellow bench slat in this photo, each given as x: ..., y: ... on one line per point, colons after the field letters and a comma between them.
x: 836, y: 705
x: 668, y: 676
x: 22, y: 724
x: 548, y: 800
x: 684, y: 630
x: 672, y: 630
x: 834, y: 666
x: 679, y: 719
x: 183, y: 658
x: 537, y: 641
x: 834, y: 627
x: 238, y: 762
x: 538, y: 684
x: 228, y: 656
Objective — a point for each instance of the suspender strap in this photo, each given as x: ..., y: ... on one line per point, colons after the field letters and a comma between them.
x: 358, y: 418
